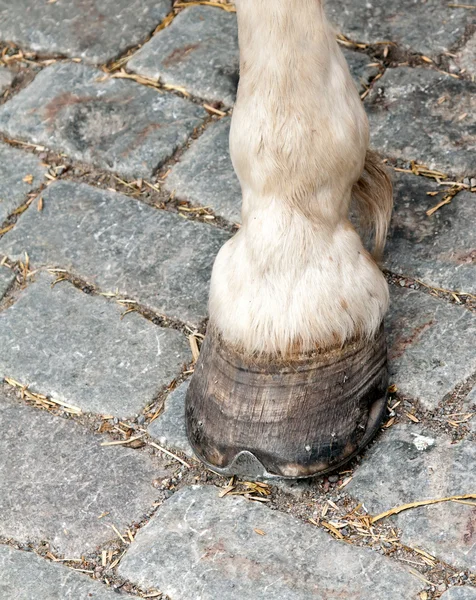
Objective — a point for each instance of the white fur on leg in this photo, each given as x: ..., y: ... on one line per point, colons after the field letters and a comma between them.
x: 296, y: 275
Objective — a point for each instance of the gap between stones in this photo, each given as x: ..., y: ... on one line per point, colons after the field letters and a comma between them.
x: 153, y: 196
x: 391, y: 55
x: 385, y: 538
x: 388, y: 53
x: 410, y: 409
x: 302, y: 510
x: 61, y: 167
x: 130, y: 305
x: 123, y: 585
x: 25, y: 65
x: 93, y: 567
x: 450, y: 296
x: 163, y: 171
x: 150, y: 411
x: 445, y: 419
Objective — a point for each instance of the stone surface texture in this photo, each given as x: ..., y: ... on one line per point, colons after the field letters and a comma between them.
x: 77, y: 349
x: 109, y: 287
x: 471, y: 398
x: 431, y: 345
x: 466, y: 57
x: 58, y: 480
x: 6, y: 79
x: 423, y: 115
x: 26, y: 576
x: 7, y: 276
x: 470, y: 407
x: 201, y: 546
x: 169, y: 427
x: 460, y: 593
x: 198, y: 51
x: 119, y: 244
x: 432, y: 468
x: 430, y: 353
x: 361, y: 68
x: 426, y: 247
x: 97, y: 30
x: 115, y: 124
x: 425, y: 27
x: 205, y: 175
x: 16, y: 166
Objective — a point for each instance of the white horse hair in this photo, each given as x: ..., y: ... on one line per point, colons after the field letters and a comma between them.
x: 296, y: 276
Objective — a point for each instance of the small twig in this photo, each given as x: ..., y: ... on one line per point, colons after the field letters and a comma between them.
x: 399, y: 509
x: 170, y: 454
x: 446, y: 200
x: 116, y: 530
x: 77, y: 560
x: 214, y: 110
x: 134, y: 187
x: 153, y: 187
x: 194, y: 347
x: 335, y: 531
x: 82, y: 570
x: 41, y: 398
x: 420, y: 576
x: 226, y: 7
x: 122, y: 442
x: 116, y: 562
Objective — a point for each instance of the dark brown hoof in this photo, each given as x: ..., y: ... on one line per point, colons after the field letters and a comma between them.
x: 292, y: 418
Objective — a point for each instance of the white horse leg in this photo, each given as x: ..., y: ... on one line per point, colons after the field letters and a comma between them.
x: 293, y: 370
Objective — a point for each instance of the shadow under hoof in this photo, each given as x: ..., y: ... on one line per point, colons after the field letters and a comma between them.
x: 285, y: 418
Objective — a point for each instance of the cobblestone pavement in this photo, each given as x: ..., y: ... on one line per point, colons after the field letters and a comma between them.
x: 116, y: 192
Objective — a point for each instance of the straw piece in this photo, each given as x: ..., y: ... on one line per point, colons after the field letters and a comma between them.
x: 399, y: 509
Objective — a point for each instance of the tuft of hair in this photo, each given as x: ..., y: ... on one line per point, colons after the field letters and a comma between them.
x: 373, y: 198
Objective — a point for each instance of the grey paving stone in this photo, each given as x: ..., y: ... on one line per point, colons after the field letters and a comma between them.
x: 431, y: 350
x: 361, y: 66
x: 76, y: 348
x: 470, y: 407
x: 426, y: 27
x: 26, y: 576
x: 205, y: 175
x: 410, y: 464
x: 7, y: 277
x: 6, y: 78
x: 431, y: 345
x: 96, y: 31
x: 199, y: 51
x: 114, y: 124
x: 460, y: 593
x: 471, y: 398
x: 201, y: 546
x: 466, y: 57
x: 57, y: 480
x: 428, y: 248
x: 15, y: 166
x: 122, y: 245
x: 169, y: 429
x: 418, y: 114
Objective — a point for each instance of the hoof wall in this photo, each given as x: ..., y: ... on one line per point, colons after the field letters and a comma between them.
x: 293, y: 418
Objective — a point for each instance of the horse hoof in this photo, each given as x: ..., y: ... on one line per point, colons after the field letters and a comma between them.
x: 295, y: 417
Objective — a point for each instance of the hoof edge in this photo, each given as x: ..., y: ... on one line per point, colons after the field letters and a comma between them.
x: 285, y: 419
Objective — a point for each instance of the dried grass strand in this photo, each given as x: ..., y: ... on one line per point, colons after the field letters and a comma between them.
x: 398, y: 509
